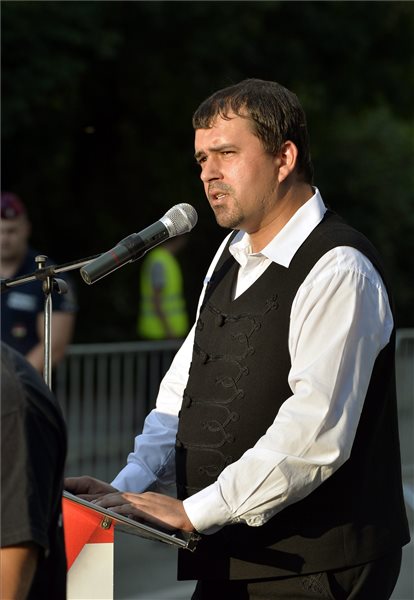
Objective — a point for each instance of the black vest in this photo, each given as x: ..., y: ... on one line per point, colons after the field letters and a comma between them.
x: 237, y: 383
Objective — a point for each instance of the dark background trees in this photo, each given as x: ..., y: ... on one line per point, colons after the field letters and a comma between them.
x: 97, y: 99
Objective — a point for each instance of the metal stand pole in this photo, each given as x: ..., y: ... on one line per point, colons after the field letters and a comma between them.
x: 47, y: 289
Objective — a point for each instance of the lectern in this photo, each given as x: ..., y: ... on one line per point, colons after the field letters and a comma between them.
x: 89, y: 540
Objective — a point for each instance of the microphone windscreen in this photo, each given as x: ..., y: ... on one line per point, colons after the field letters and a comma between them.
x: 181, y: 218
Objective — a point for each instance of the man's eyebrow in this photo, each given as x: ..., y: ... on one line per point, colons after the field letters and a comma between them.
x: 199, y: 154
x: 219, y: 148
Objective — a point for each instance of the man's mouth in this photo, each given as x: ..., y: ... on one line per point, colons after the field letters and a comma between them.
x: 216, y: 197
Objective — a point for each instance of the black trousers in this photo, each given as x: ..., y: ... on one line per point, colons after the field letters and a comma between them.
x: 370, y: 581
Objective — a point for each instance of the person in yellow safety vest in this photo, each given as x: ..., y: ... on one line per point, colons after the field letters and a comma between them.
x: 163, y: 312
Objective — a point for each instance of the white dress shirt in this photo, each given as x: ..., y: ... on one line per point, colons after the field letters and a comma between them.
x: 339, y: 322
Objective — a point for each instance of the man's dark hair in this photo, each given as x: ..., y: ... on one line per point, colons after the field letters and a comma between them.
x: 275, y: 113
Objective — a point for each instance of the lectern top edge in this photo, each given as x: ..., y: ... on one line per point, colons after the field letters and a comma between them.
x: 180, y: 539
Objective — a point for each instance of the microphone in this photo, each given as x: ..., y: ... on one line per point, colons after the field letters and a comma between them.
x: 181, y: 218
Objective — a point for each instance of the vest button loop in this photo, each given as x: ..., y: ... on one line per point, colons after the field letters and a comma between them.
x: 200, y: 325
x: 220, y: 320
x: 203, y: 357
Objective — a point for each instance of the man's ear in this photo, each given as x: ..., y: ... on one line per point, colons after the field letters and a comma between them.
x: 287, y: 159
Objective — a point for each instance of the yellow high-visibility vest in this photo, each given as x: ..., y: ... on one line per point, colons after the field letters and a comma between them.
x: 149, y: 325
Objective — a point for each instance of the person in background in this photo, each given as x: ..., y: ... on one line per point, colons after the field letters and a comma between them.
x: 22, y: 310
x: 33, y: 452
x: 277, y: 420
x: 162, y: 312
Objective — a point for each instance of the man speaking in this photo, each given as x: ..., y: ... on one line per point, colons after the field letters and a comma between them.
x: 277, y: 421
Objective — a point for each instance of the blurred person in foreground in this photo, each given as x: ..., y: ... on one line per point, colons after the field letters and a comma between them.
x: 162, y: 310
x: 277, y: 420
x: 22, y: 310
x: 33, y: 452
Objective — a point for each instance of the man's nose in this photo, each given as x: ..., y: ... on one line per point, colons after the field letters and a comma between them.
x: 211, y: 170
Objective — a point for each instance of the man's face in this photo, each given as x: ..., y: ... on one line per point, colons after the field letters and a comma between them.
x: 14, y: 236
x: 240, y: 179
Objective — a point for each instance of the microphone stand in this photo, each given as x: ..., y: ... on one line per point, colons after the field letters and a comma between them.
x: 49, y: 283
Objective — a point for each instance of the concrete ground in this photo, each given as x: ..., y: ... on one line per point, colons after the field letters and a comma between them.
x: 146, y: 570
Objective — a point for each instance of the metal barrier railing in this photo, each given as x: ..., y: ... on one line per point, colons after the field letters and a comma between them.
x: 106, y: 391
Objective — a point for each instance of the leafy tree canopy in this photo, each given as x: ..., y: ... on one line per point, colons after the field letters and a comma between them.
x: 96, y: 122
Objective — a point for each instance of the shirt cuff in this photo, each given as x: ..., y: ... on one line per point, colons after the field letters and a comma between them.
x: 133, y: 478
x: 207, y: 510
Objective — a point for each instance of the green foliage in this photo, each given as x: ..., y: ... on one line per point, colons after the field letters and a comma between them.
x: 47, y: 48
x: 96, y: 122
x: 373, y: 160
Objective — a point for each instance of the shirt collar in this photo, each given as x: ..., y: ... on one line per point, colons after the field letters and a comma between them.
x: 282, y: 248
